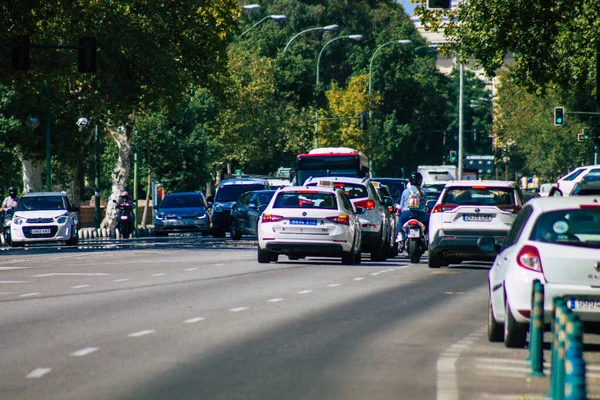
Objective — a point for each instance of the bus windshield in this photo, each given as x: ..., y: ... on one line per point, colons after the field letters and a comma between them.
x: 354, y: 165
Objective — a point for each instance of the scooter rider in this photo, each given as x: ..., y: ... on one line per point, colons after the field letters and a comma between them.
x: 11, y: 200
x: 413, y: 204
x: 126, y: 206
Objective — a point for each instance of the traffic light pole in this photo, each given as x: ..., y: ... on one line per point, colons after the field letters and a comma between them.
x: 460, y: 123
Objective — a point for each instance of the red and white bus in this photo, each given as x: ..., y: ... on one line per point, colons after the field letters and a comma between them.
x: 331, y: 161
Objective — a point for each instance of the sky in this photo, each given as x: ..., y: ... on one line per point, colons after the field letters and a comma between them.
x: 408, y: 6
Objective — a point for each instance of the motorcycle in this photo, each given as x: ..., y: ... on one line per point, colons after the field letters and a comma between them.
x: 124, y: 219
x: 6, y: 218
x: 416, y: 239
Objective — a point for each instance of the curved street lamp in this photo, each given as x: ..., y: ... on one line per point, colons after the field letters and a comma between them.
x: 275, y: 17
x: 320, y: 28
x: 402, y: 41
x: 355, y: 38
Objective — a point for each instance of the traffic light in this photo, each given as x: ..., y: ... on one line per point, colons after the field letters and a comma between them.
x: 559, y: 116
x: 87, y: 54
x: 20, y: 53
x: 583, y: 136
x: 438, y: 4
x: 363, y: 121
x: 452, y: 156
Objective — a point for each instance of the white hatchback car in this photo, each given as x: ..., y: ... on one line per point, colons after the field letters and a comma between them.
x: 466, y: 211
x: 316, y: 221
x: 589, y: 173
x: 557, y: 241
x: 44, y: 217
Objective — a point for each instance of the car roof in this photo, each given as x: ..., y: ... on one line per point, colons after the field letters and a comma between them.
x: 185, y: 193
x: 560, y: 203
x: 242, y: 181
x: 297, y: 188
x: 338, y: 179
x: 43, y: 194
x: 494, y: 183
x: 378, y: 179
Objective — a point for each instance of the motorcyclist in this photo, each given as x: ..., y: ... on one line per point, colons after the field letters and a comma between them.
x: 125, y: 205
x: 413, y: 204
x: 11, y: 200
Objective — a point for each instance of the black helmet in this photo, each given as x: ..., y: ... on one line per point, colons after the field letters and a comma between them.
x: 12, y: 191
x: 415, y: 179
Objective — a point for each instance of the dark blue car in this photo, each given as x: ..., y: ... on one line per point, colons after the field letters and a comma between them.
x: 246, y: 212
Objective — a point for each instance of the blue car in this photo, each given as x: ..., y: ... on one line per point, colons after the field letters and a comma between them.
x: 182, y: 212
x: 246, y: 212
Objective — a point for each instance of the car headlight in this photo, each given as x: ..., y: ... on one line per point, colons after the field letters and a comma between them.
x: 160, y: 217
x: 61, y: 219
x: 201, y: 216
x: 218, y: 208
x: 18, y: 220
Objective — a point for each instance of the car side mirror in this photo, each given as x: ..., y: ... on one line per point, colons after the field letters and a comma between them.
x: 555, y: 192
x: 488, y: 245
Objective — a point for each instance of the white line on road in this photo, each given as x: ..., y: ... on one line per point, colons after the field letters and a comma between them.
x: 84, y: 352
x: 190, y: 269
x: 70, y: 274
x: 159, y: 274
x: 30, y: 294
x: 80, y: 286
x: 140, y: 333
x: 304, y: 291
x: 375, y: 273
x: 334, y: 284
x: 38, y: 372
x: 193, y: 320
x: 238, y: 309
x: 275, y: 300
x: 15, y: 281
x: 360, y: 278
x: 121, y: 280
x: 218, y: 265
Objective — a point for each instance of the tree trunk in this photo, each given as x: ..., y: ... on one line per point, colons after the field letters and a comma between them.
x: 120, y: 174
x: 32, y: 175
x: 146, y: 206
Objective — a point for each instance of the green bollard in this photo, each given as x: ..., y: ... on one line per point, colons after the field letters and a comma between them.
x: 536, y: 331
x: 554, y: 345
x: 575, y: 379
x: 531, y: 320
x: 559, y: 392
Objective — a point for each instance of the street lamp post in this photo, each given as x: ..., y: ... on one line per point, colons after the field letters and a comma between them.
x: 320, y: 28
x: 353, y: 37
x: 275, y: 17
x: 48, y: 135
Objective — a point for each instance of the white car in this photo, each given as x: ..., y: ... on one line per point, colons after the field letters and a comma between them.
x: 589, y: 173
x: 466, y: 211
x: 377, y: 235
x: 557, y: 241
x: 309, y: 221
x: 44, y: 217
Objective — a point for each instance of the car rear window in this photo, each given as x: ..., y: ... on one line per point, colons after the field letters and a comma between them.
x: 492, y: 196
x: 175, y: 201
x: 306, y: 199
x: 227, y: 193
x: 352, y: 190
x: 578, y: 227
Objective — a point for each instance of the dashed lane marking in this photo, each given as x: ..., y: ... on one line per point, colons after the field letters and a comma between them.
x: 38, y: 372
x: 30, y: 294
x: 80, y: 286
x: 84, y: 352
x: 141, y: 333
x: 121, y: 280
x: 15, y: 281
x: 334, y: 285
x: 360, y: 278
x: 159, y: 274
x: 193, y: 320
x: 218, y: 265
x: 275, y: 300
x: 238, y: 309
x: 190, y: 269
x: 70, y: 274
x: 304, y: 291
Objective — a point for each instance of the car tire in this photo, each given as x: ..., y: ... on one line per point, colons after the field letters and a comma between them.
x: 414, y: 251
x: 357, y: 257
x: 349, y: 258
x: 74, y: 241
x: 218, y: 233
x: 435, y: 260
x: 273, y: 257
x: 293, y: 258
x: 495, y: 329
x: 263, y: 256
x: 235, y: 233
x: 515, y: 333
x: 160, y: 234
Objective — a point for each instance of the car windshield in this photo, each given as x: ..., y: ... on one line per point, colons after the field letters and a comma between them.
x: 187, y: 201
x: 227, y: 193
x: 306, y: 199
x: 479, y: 196
x: 579, y: 228
x: 41, y: 203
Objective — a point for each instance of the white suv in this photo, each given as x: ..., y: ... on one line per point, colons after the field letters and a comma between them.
x: 376, y: 228
x: 590, y: 173
x: 467, y: 211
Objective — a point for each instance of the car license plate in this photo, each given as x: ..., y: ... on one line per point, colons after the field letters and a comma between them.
x: 584, y: 304
x: 477, y: 217
x: 40, y: 231
x: 303, y: 222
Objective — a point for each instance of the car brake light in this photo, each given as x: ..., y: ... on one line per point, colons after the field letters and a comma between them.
x: 479, y: 187
x: 340, y: 219
x: 589, y: 206
x: 366, y: 204
x: 391, y: 209
x: 270, y: 217
x: 444, y: 207
x: 306, y: 191
x: 529, y: 258
x: 512, y: 209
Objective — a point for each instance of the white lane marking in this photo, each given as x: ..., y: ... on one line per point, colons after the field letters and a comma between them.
x: 11, y: 268
x: 38, y: 372
x: 275, y: 300
x: 334, y: 284
x: 190, y: 269
x: 70, y: 274
x: 193, y: 320
x: 375, y: 273
x: 121, y: 280
x: 140, y: 333
x: 159, y: 274
x: 218, y: 265
x: 84, y: 352
x: 30, y: 294
x: 80, y: 286
x: 238, y: 309
x: 304, y: 291
x: 358, y: 279
x: 15, y: 281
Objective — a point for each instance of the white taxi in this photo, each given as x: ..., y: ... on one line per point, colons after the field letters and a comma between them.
x: 309, y: 221
x: 557, y: 241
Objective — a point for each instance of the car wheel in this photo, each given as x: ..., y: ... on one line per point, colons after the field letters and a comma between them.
x: 515, y: 333
x: 495, y: 329
x: 218, y: 233
x: 263, y: 256
x: 435, y: 260
x: 348, y: 258
x: 235, y: 232
x: 414, y: 251
x: 160, y: 234
x: 273, y: 257
x: 357, y: 257
x: 293, y: 258
x: 73, y: 241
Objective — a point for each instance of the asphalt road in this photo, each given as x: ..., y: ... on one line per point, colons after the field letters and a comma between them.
x: 200, y: 320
